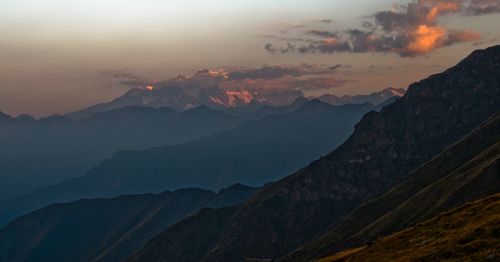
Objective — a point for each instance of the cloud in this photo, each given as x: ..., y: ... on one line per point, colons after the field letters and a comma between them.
x: 279, y: 83
x: 481, y: 7
x: 276, y: 80
x: 408, y: 30
x: 337, y: 66
x: 279, y: 78
x: 288, y: 84
x: 270, y: 48
x: 324, y: 21
x: 127, y: 79
x: 367, y: 24
x: 322, y: 33
x: 267, y: 72
x: 317, y: 83
x: 288, y: 48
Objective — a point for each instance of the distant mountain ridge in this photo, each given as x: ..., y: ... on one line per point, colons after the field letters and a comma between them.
x: 105, y: 229
x: 36, y: 153
x: 374, y: 98
x: 384, y: 149
x: 203, y: 88
x: 183, y: 93
x: 254, y: 153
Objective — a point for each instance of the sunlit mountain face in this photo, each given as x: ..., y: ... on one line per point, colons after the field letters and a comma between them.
x: 216, y: 88
x: 240, y: 90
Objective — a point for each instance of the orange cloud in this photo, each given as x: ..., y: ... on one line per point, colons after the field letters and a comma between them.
x: 440, y: 8
x: 425, y: 39
x: 409, y: 31
x: 463, y: 36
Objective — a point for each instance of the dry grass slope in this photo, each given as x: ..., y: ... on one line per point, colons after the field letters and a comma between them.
x: 468, y: 233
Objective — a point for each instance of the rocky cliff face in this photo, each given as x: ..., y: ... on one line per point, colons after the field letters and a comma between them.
x: 384, y: 148
x: 466, y: 171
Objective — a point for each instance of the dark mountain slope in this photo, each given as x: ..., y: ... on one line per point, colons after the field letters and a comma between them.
x: 189, y: 239
x: 37, y: 153
x: 384, y: 148
x: 467, y: 171
x: 105, y: 229
x: 468, y: 233
x: 254, y: 153
x: 433, y: 114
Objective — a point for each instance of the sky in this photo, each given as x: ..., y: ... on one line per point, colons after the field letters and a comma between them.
x: 58, y: 56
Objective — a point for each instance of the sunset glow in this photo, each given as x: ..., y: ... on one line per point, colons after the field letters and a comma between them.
x: 425, y: 39
x: 76, y: 49
x: 244, y: 96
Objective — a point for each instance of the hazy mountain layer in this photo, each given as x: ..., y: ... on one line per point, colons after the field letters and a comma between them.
x: 254, y: 153
x: 37, y: 153
x: 374, y: 98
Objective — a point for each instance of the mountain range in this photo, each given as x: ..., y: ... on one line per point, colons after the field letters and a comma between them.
x: 383, y: 150
x: 42, y: 152
x: 105, y: 229
x: 254, y: 153
x: 205, y: 88
x: 374, y: 98
x: 63, y: 147
x: 406, y: 162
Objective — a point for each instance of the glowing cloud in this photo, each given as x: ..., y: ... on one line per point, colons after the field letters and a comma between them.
x: 425, y: 39
x: 410, y: 30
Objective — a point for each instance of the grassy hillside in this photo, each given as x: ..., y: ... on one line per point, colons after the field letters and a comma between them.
x: 466, y: 171
x: 468, y: 233
x: 105, y: 229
